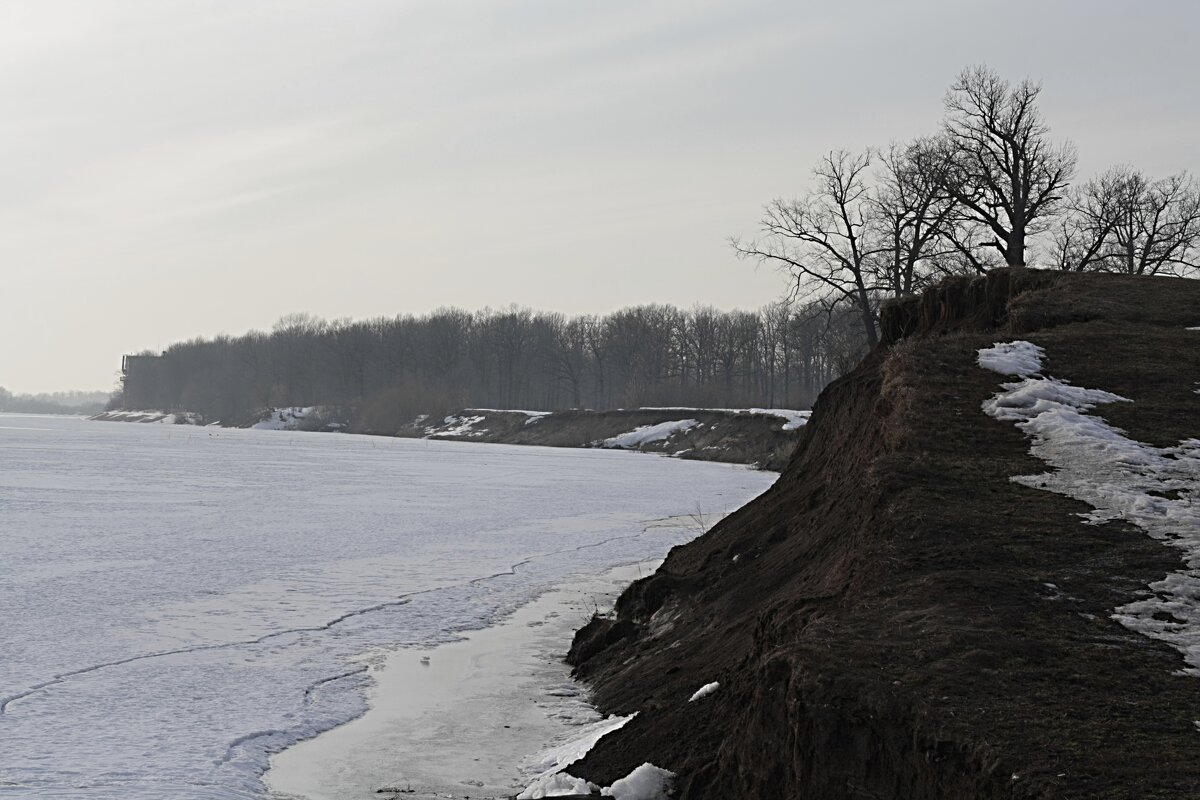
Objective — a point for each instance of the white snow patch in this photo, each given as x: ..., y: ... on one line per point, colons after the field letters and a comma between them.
x: 1197, y: 328
x: 511, y: 411
x: 557, y: 785
x: 179, y: 418
x: 1012, y: 358
x: 284, y: 419
x: 554, y: 759
x: 708, y: 688
x: 793, y: 419
x: 647, y: 782
x: 1153, y: 488
x: 646, y: 434
x: 460, y: 426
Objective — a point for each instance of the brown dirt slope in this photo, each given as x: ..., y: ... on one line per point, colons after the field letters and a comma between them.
x: 879, y: 620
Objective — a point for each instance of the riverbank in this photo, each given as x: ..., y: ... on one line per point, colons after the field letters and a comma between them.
x: 976, y: 580
x: 764, y: 438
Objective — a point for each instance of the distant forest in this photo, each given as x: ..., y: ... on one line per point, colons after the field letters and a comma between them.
x: 384, y: 372
x: 53, y: 402
x: 988, y: 188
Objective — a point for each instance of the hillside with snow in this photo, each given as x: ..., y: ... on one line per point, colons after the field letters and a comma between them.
x: 978, y: 576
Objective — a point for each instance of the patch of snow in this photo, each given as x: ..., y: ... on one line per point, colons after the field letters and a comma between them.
x: 647, y: 782
x: 793, y: 419
x: 284, y: 419
x: 708, y: 688
x: 1152, y: 488
x: 179, y: 418
x: 557, y: 785
x: 460, y: 426
x: 1012, y: 358
x: 646, y: 434
x: 1197, y: 328
x: 512, y: 411
x: 554, y: 759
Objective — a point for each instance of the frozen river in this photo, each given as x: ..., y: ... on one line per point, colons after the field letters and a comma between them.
x: 177, y: 604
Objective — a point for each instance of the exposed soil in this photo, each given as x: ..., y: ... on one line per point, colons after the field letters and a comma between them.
x: 895, y: 618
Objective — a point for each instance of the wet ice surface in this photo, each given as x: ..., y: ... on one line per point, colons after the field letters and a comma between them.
x: 178, y: 603
x: 481, y: 717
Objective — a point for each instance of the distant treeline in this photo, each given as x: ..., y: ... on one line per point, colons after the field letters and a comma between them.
x: 53, y: 402
x: 387, y: 371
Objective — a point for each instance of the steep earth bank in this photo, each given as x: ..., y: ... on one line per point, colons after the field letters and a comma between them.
x: 896, y: 618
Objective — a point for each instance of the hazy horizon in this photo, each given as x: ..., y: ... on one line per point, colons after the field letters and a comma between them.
x: 179, y: 170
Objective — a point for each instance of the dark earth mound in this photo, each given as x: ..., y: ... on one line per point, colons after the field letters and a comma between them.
x: 881, y: 621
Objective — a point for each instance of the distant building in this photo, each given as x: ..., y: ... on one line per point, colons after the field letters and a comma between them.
x: 139, y: 382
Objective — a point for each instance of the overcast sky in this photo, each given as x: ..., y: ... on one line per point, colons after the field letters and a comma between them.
x: 182, y: 168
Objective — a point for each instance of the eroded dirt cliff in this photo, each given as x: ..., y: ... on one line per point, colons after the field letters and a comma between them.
x: 896, y: 618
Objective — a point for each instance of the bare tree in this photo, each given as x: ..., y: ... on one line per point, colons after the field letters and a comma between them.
x: 827, y: 240
x: 1080, y: 236
x: 1004, y: 172
x: 914, y: 213
x: 1157, y: 226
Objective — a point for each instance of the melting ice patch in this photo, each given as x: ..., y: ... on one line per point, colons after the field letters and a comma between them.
x: 1012, y: 358
x: 1153, y: 488
x: 646, y: 782
x: 573, y: 748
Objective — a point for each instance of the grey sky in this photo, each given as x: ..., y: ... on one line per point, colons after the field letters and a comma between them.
x: 177, y: 168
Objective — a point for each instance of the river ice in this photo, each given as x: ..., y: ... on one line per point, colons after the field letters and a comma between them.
x: 177, y: 603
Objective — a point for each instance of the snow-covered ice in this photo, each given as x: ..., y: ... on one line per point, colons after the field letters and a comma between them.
x: 1153, y: 488
x: 179, y: 604
x: 705, y: 690
x: 646, y: 434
